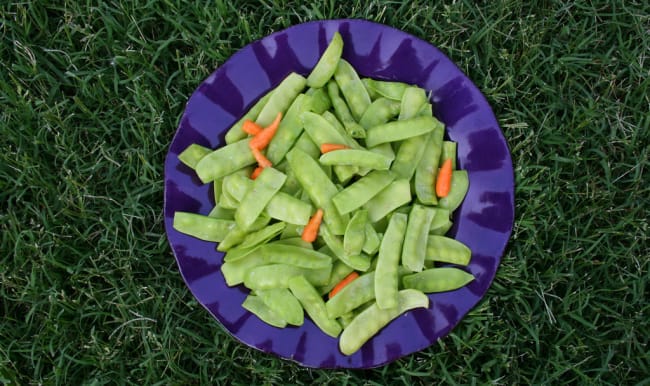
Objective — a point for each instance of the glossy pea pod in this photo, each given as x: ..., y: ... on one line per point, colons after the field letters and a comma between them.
x: 235, y: 132
x: 267, y: 184
x: 202, y: 227
x: 438, y: 279
x: 390, y: 251
x: 278, y: 276
x: 319, y: 101
x: 368, y: 323
x: 339, y: 271
x: 380, y: 111
x: 327, y: 64
x: 396, y: 194
x: 284, y: 304
x: 193, y: 154
x: 263, y: 235
x: 293, y: 255
x: 427, y: 169
x: 412, y: 101
x: 362, y: 191
x: 459, y: 187
x: 256, y: 306
x: 222, y: 213
x: 449, y: 150
x: 371, y: 244
x: 387, y: 89
x: 400, y: 130
x: 308, y: 146
x: 313, y: 304
x: 289, y: 130
x: 359, y: 262
x: 343, y: 112
x: 225, y: 161
x: 353, y: 157
x: 355, y: 233
x: 415, y: 240
x: 447, y: 250
x: 352, y: 89
x: 237, y: 234
x: 441, y: 222
x: 281, y: 98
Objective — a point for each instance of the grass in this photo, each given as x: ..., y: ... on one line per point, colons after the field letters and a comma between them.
x: 92, y: 93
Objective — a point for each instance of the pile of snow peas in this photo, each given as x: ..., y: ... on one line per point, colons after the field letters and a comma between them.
x: 365, y: 154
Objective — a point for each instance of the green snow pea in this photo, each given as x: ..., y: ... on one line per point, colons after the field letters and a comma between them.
x: 284, y: 304
x: 449, y: 149
x: 202, y: 227
x: 343, y: 112
x: 427, y: 169
x: 393, y: 196
x: 426, y: 110
x: 289, y: 130
x: 352, y: 89
x: 380, y: 111
x: 372, y: 242
x: 193, y: 154
x: 368, y: 323
x: 237, y: 234
x: 278, y: 276
x: 447, y: 250
x: 267, y: 184
x: 235, y: 133
x: 390, y: 250
x: 371, y: 92
x: 387, y: 89
x: 224, y: 161
x: 319, y: 101
x: 441, y: 222
x: 415, y: 239
x: 361, y: 290
x: 281, y: 98
x: 409, y: 155
x: 359, y: 262
x: 296, y: 256
x: 313, y: 304
x: 339, y: 271
x: 308, y: 146
x: 352, y: 157
x: 412, y: 101
x: 384, y: 149
x: 263, y: 235
x: 437, y: 279
x: 327, y: 64
x: 257, y: 307
x: 362, y: 191
x: 459, y: 187
x: 295, y: 242
x: 222, y: 213
x: 400, y: 130
x: 319, y: 188
x: 321, y: 131
x: 355, y: 233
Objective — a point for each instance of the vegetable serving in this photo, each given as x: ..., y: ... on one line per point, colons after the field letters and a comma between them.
x: 333, y: 197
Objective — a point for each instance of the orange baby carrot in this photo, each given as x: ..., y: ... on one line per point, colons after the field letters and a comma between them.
x: 256, y: 172
x: 443, y: 181
x: 310, y: 232
x: 251, y: 127
x: 327, y: 147
x: 262, y: 139
x: 262, y: 161
x: 346, y: 280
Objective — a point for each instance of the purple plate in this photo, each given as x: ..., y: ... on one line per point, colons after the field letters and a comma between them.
x: 483, y: 222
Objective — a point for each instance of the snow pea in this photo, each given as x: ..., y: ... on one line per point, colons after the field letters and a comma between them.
x: 343, y: 112
x: 295, y: 242
x: 235, y: 132
x: 237, y: 234
x: 447, y: 250
x: 393, y: 196
x: 412, y: 101
x: 352, y: 157
x: 321, y: 131
x: 308, y: 146
x: 372, y: 242
x: 319, y: 101
x: 384, y: 149
x: 284, y: 304
x: 281, y: 98
x: 409, y: 155
x: 426, y: 110
x: 202, y: 227
x: 415, y: 239
x: 362, y: 191
x: 289, y: 130
x: 263, y: 235
x: 328, y: 62
x: 222, y: 213
x: 267, y: 184
x: 368, y: 323
x: 352, y: 89
x: 449, y: 150
x: 313, y: 304
x: 234, y: 271
x: 193, y: 154
x: 437, y: 279
x: 339, y: 271
x: 257, y: 307
x: 387, y: 89
x: 359, y: 262
x: 291, y: 231
x: 400, y: 130
x: 427, y: 169
x: 319, y: 188
x: 353, y: 295
x: 459, y: 187
x: 293, y: 255
x: 371, y: 92
x: 355, y: 233
x: 224, y: 161
x: 390, y: 250
x: 380, y: 111
x: 278, y: 276
x: 441, y: 222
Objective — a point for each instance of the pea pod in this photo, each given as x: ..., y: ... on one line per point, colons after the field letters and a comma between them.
x: 362, y: 191
x: 193, y: 154
x: 327, y: 63
x: 426, y: 110
x: 237, y: 234
x: 441, y: 222
x: 295, y: 242
x: 360, y: 158
x: 263, y: 235
x: 409, y: 155
x: 339, y: 271
x: 352, y: 89
x: 278, y: 276
x: 447, y: 250
x: 412, y: 101
x: 281, y: 98
x: 387, y: 89
x: 313, y: 304
x: 343, y: 112
x: 459, y: 187
x: 222, y: 213
x: 353, y: 295
x: 427, y: 169
x: 284, y: 304
x: 390, y: 251
x: 372, y: 242
x: 449, y: 149
x: 235, y: 132
x: 393, y: 196
x: 355, y: 233
x: 257, y: 307
x: 437, y: 279
x: 368, y: 323
x: 202, y: 227
x: 289, y: 130
x: 400, y: 130
x: 224, y: 161
x: 380, y: 111
x: 359, y: 262
x: 415, y: 239
x: 296, y: 256
x: 267, y: 184
x: 319, y: 101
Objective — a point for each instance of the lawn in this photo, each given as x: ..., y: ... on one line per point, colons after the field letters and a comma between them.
x: 92, y: 93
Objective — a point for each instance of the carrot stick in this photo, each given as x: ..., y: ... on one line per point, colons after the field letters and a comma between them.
x: 346, y: 280
x: 443, y: 181
x: 256, y: 172
x: 262, y: 161
x: 251, y: 127
x: 262, y: 139
x: 310, y: 232
x: 327, y: 147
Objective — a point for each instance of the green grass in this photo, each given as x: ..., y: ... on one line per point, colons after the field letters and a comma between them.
x: 91, y: 95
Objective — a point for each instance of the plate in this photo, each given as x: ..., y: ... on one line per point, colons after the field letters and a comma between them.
x: 483, y: 222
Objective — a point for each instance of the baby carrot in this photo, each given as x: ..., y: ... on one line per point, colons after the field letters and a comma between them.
x: 443, y: 182
x: 262, y: 161
x: 256, y: 172
x: 251, y: 127
x: 262, y: 139
x: 310, y: 232
x: 346, y: 280
x: 327, y: 147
